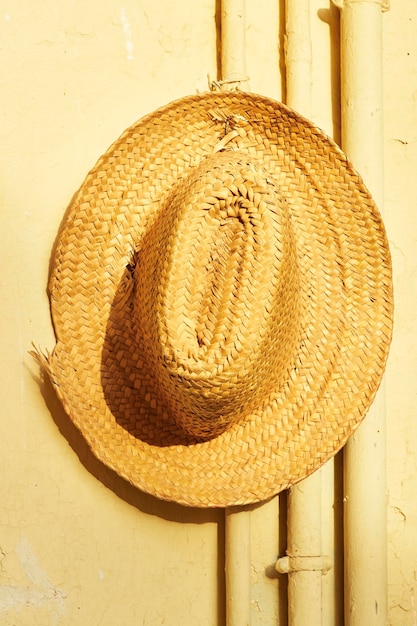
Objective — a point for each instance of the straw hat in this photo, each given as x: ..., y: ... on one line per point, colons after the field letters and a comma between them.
x: 221, y: 297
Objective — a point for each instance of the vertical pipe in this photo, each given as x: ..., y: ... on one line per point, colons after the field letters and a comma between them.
x: 298, y: 55
x: 365, y: 456
x: 304, y: 540
x: 233, y: 41
x: 361, y: 89
x: 304, y: 503
x: 237, y: 519
x: 237, y: 563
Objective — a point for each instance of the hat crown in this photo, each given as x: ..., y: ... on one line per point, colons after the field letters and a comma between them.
x: 217, y: 289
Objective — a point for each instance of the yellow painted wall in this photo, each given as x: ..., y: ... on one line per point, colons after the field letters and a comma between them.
x: 78, y: 545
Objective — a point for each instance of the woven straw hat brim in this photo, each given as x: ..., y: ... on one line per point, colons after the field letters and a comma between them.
x: 345, y: 300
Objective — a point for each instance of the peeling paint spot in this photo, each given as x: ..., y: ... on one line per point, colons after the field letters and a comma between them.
x: 40, y: 592
x: 127, y: 33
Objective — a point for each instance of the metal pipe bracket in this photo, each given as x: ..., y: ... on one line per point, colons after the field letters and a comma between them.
x: 290, y: 564
x: 341, y: 4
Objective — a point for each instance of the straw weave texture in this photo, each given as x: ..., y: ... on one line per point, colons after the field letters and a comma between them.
x: 221, y: 297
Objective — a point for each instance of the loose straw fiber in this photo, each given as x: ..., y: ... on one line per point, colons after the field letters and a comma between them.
x: 221, y: 296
